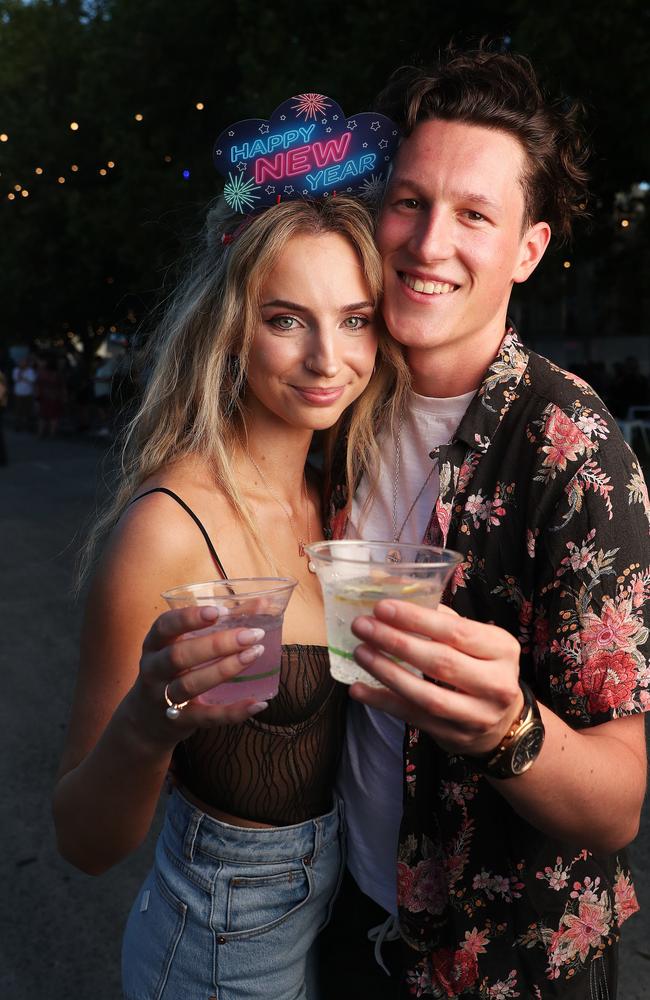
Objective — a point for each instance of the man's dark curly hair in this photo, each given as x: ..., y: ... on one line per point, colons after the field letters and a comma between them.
x: 500, y: 90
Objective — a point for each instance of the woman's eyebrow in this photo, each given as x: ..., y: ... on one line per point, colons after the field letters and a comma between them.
x: 357, y: 305
x: 296, y: 307
x: 285, y: 304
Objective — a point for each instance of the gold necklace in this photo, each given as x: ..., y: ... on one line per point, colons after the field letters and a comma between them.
x: 287, y: 513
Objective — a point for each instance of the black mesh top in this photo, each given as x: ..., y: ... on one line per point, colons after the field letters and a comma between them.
x: 278, y: 767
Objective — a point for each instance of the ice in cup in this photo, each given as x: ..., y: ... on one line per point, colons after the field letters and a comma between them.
x: 250, y: 602
x: 354, y: 575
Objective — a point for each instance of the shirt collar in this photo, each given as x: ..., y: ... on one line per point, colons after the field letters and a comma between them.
x: 496, y: 393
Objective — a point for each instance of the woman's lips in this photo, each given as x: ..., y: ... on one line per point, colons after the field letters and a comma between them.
x: 319, y: 397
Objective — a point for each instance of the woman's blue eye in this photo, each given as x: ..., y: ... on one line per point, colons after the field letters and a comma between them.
x: 284, y: 322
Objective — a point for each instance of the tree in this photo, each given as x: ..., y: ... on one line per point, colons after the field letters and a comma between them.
x: 95, y: 250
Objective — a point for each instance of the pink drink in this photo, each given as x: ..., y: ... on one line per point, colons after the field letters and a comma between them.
x: 261, y: 678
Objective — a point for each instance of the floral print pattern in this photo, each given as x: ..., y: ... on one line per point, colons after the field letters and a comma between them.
x: 549, y: 510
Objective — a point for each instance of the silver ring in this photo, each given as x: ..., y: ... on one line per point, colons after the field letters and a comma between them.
x: 173, y: 708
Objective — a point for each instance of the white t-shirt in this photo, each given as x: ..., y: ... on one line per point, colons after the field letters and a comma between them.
x: 371, y: 771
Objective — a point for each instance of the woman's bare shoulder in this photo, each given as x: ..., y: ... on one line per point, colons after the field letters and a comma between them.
x: 155, y: 534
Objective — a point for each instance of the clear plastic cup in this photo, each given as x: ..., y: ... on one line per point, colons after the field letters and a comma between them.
x: 251, y: 602
x: 354, y: 575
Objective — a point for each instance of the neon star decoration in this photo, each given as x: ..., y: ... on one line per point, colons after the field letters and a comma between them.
x: 310, y: 105
x: 239, y: 193
x: 297, y: 153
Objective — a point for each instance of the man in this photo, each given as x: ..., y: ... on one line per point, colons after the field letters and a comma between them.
x: 523, y: 771
x: 24, y: 379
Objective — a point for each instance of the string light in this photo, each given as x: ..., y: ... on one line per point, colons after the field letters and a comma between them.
x: 200, y: 106
x: 625, y: 223
x: 567, y: 264
x: 25, y: 193
x: 11, y: 196
x: 74, y: 126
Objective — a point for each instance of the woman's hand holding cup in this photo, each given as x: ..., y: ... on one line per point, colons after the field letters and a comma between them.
x: 183, y: 656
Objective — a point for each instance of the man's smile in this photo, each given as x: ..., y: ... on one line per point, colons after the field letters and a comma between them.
x: 426, y: 286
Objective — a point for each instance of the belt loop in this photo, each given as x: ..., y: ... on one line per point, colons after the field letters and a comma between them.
x: 189, y: 839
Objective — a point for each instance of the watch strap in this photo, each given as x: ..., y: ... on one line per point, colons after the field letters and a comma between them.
x: 497, y: 763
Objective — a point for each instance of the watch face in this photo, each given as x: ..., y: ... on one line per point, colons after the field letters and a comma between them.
x: 527, y: 750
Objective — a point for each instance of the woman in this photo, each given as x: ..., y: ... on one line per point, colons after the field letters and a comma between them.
x: 273, y: 337
x: 50, y: 396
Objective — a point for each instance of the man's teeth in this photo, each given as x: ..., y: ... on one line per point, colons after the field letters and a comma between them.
x: 427, y: 287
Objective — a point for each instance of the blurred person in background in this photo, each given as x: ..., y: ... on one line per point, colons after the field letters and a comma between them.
x: 24, y: 379
x: 4, y: 400
x: 51, y: 395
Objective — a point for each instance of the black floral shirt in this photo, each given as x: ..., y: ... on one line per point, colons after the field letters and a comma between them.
x: 550, y: 511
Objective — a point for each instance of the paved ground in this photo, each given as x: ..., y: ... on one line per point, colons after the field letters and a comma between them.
x: 60, y: 930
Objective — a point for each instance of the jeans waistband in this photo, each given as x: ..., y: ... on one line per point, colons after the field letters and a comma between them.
x: 196, y: 833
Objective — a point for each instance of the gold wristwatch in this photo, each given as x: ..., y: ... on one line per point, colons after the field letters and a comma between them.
x: 521, y: 745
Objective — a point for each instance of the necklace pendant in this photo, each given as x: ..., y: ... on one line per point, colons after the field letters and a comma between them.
x: 393, y: 556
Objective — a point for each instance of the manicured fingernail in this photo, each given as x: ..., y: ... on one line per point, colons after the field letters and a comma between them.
x: 212, y: 613
x: 363, y: 627
x: 249, y: 635
x: 248, y: 655
x: 258, y: 707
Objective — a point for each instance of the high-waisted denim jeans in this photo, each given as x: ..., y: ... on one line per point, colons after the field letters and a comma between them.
x: 231, y: 912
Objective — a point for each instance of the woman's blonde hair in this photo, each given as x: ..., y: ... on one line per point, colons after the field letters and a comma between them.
x: 195, y: 362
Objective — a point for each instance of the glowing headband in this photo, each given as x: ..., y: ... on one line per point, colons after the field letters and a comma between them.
x: 307, y: 148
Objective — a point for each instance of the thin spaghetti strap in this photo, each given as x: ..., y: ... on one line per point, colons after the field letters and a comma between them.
x: 208, y: 542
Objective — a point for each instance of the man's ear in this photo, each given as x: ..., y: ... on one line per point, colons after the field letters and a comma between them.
x: 533, y: 246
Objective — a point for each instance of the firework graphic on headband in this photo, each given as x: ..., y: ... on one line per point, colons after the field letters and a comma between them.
x: 310, y: 105
x: 239, y: 193
x: 307, y: 148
